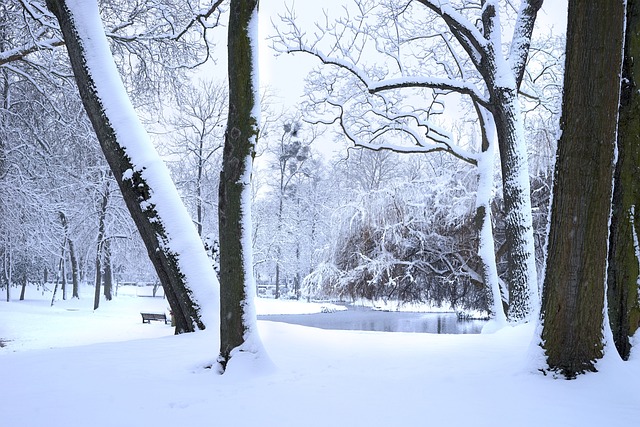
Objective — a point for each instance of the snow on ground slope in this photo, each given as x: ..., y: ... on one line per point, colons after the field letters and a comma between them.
x: 130, y: 374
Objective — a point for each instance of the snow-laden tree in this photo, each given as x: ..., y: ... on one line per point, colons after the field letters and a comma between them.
x: 291, y: 163
x: 394, y: 240
x: 573, y: 320
x: 238, y: 323
x: 162, y: 220
x: 425, y: 50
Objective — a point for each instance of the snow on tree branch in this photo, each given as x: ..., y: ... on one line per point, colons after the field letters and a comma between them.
x: 521, y: 40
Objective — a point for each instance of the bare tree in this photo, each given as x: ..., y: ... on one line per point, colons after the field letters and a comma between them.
x: 424, y: 59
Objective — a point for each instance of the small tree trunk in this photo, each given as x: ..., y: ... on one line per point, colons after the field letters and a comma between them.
x: 100, y: 248
x: 63, y: 281
x: 58, y: 276
x: 98, y: 280
x: 24, y: 286
x: 484, y: 226
x: 107, y: 277
x: 74, y: 270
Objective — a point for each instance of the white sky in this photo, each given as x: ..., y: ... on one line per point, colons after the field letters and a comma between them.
x: 285, y: 74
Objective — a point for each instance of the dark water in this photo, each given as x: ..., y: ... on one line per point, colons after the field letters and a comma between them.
x: 383, y: 321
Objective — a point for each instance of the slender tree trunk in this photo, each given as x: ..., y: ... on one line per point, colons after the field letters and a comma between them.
x: 107, y: 276
x: 58, y: 277
x: 199, y: 213
x: 574, y: 285
x: 237, y: 285
x: 171, y: 240
x: 63, y: 281
x: 24, y: 286
x: 8, y: 264
x: 102, y: 216
x: 75, y: 293
x: 98, y: 279
x: 484, y: 226
x: 624, y: 251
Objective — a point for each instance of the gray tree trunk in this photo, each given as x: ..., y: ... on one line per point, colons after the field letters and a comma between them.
x: 574, y: 284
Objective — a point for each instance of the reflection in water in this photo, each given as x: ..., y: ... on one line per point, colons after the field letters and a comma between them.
x: 383, y: 321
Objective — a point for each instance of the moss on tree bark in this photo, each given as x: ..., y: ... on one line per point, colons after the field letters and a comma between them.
x: 574, y: 285
x: 624, y: 272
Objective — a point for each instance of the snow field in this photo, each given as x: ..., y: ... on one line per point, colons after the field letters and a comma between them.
x: 69, y: 366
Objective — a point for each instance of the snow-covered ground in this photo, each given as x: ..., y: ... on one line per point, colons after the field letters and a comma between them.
x: 67, y: 365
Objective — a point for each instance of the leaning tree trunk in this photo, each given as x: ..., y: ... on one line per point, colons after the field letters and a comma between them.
x: 574, y: 285
x: 237, y: 285
x: 624, y: 252
x: 169, y: 235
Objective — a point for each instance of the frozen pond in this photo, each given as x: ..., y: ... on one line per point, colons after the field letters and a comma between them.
x: 383, y: 321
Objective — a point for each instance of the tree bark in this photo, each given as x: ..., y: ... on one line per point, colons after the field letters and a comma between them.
x: 237, y: 286
x: 107, y: 276
x: 132, y: 179
x: 574, y: 285
x: 522, y: 276
x: 75, y: 275
x: 100, y: 245
x: 624, y: 254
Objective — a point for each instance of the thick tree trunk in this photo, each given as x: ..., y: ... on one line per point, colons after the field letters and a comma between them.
x: 237, y: 287
x: 624, y: 253
x: 138, y: 170
x: 522, y: 277
x: 503, y: 78
x: 574, y: 285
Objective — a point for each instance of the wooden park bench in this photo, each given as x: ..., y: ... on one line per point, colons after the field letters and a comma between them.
x: 148, y: 317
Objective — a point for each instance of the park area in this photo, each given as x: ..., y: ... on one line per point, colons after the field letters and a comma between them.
x: 68, y: 365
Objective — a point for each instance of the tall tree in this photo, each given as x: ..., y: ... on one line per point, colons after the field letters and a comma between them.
x: 238, y: 330
x: 574, y: 284
x: 153, y: 202
x: 471, y: 60
x: 624, y: 251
